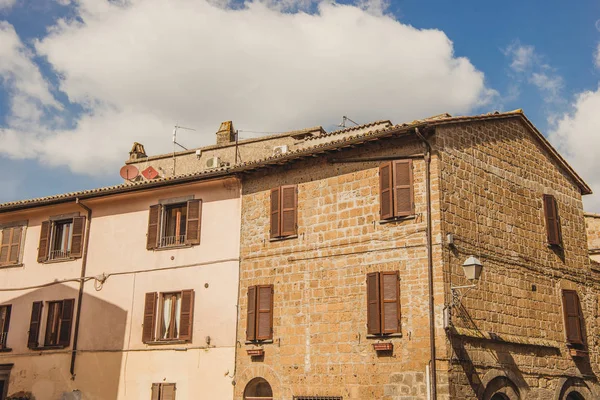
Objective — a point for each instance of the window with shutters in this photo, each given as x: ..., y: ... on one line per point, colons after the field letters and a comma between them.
x: 174, y: 225
x: 396, y: 192
x: 61, y: 239
x: 383, y: 303
x: 573, y: 318
x: 10, y: 245
x: 163, y: 391
x: 553, y: 228
x: 4, y: 322
x: 260, y: 313
x: 58, y: 323
x: 168, y: 317
x: 284, y: 212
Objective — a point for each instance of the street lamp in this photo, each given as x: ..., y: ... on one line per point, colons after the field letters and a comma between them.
x: 472, y: 268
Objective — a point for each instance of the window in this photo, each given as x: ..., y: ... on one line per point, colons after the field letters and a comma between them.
x: 383, y: 303
x: 284, y: 211
x: 573, y: 317
x: 396, y: 189
x: 10, y: 246
x: 174, y: 224
x: 163, y: 391
x: 59, y: 319
x: 61, y: 239
x: 553, y: 229
x: 168, y: 316
x: 260, y: 313
x: 4, y: 321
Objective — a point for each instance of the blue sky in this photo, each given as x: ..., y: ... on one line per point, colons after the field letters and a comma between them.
x: 82, y: 80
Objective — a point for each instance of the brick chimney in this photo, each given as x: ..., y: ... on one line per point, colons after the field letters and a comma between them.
x: 226, y: 133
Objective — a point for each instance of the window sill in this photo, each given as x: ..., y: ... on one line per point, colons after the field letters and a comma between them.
x: 57, y: 347
x: 279, y: 239
x: 59, y: 260
x: 5, y: 349
x: 397, y: 219
x: 384, y: 336
x: 11, y: 265
x: 258, y: 342
x: 179, y: 246
x: 167, y: 342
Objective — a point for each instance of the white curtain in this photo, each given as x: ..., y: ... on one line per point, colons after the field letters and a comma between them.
x: 167, y: 315
x: 177, y: 314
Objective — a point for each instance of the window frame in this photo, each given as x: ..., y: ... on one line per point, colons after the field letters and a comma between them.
x: 380, y: 329
x: 390, y: 185
x: 75, y: 239
x: 60, y: 321
x: 283, y: 232
x: 153, y: 332
x: 254, y: 336
x: 20, y: 243
x: 52, y: 241
x: 161, y: 315
x: 157, y: 224
x: 578, y: 342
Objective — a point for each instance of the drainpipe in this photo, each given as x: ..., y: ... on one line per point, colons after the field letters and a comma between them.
x: 88, y: 222
x: 430, y: 266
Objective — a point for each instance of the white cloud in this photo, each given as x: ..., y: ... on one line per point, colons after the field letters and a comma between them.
x: 6, y: 4
x: 522, y: 56
x: 138, y: 67
x: 549, y: 84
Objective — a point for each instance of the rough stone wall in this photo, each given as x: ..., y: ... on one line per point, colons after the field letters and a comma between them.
x: 320, y: 344
x: 592, y: 224
x: 493, y: 176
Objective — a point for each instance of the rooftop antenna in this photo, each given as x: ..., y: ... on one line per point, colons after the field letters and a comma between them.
x: 343, y: 123
x: 175, y: 143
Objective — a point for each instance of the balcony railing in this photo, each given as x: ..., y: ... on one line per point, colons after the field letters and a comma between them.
x: 59, y: 254
x: 169, y: 241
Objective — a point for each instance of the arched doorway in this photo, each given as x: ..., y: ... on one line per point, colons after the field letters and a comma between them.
x: 499, y: 396
x: 258, y: 389
x: 501, y: 388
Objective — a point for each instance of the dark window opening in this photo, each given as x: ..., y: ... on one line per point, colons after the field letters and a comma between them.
x: 53, y: 322
x: 4, y: 322
x: 174, y: 225
x: 258, y: 389
x: 61, y: 240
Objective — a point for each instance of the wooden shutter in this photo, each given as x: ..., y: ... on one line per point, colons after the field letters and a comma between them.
x: 251, y: 315
x: 77, y: 238
x: 5, y: 322
x: 167, y: 391
x: 44, y: 241
x: 5, y: 245
x: 390, y: 302
x: 373, y: 304
x: 275, y: 213
x: 386, y: 207
x: 155, y: 391
x: 149, y: 317
x: 34, y: 324
x: 552, y: 221
x: 194, y: 217
x: 186, y: 320
x: 153, y: 227
x: 573, y: 316
x: 15, y: 245
x: 289, y: 210
x: 403, y: 188
x: 66, y: 321
x: 264, y: 328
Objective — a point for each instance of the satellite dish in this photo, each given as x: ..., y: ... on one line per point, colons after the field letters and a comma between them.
x: 129, y: 172
x: 150, y: 173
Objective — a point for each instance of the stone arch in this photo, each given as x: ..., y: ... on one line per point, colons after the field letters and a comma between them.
x: 244, y: 377
x: 573, y: 389
x: 501, y: 388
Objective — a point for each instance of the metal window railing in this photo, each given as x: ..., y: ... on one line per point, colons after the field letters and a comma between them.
x: 59, y: 254
x: 168, y: 241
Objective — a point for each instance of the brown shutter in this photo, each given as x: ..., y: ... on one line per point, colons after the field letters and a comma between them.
x: 155, y: 391
x: 77, y: 238
x: 153, y: 227
x: 44, y: 241
x: 251, y: 315
x: 194, y: 217
x: 552, y: 222
x: 15, y: 245
x: 5, y: 245
x: 573, y: 316
x: 186, y: 320
x: 34, y: 324
x: 386, y: 208
x: 390, y: 302
x: 403, y: 188
x: 167, y: 391
x: 373, y: 304
x: 66, y: 321
x: 264, y: 329
x: 289, y: 210
x: 275, y: 213
x: 149, y: 317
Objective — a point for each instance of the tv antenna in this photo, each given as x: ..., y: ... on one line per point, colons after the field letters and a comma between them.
x: 343, y: 123
x: 175, y: 143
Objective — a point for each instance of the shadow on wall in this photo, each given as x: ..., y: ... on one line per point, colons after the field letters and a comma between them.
x: 44, y: 374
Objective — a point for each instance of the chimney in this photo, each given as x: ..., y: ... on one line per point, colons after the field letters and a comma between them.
x: 226, y: 133
x: 137, y: 151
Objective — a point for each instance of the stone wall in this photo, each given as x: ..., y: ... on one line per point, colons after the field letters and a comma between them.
x: 592, y: 224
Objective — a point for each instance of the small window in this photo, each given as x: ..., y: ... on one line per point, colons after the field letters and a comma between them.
x: 573, y: 317
x: 59, y: 319
x: 10, y: 245
x: 61, y: 240
x: 284, y: 211
x: 383, y: 303
x: 260, y: 313
x: 168, y: 316
x: 174, y: 225
x: 553, y: 228
x: 163, y: 391
x: 396, y: 197
x: 4, y: 322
